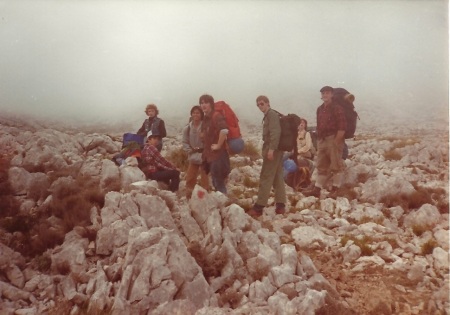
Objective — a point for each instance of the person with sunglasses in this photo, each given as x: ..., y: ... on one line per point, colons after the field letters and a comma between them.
x: 272, y: 167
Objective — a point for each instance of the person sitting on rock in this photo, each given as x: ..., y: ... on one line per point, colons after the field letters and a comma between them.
x: 305, y: 146
x: 156, y: 167
x: 153, y: 125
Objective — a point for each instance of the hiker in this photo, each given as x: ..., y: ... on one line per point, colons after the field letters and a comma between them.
x: 156, y: 167
x: 305, y: 146
x: 331, y: 126
x: 214, y: 134
x: 272, y: 167
x: 153, y: 125
x: 193, y: 146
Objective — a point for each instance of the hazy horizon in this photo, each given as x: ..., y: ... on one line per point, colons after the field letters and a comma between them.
x: 93, y: 59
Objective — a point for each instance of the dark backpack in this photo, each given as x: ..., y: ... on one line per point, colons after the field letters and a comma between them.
x: 345, y: 99
x: 289, y: 132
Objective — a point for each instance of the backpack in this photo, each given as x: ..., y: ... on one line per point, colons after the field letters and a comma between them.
x: 289, y: 132
x: 130, y: 149
x: 234, y: 137
x: 132, y: 137
x: 230, y: 117
x: 345, y: 99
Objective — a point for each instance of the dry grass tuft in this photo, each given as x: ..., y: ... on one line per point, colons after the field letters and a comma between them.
x: 249, y: 182
x: 251, y: 150
x: 43, y: 262
x: 421, y: 196
x: 362, y: 177
x: 363, y: 243
x: 392, y: 155
x: 419, y: 229
x: 211, y: 265
x: 259, y: 272
x: 230, y: 296
x: 63, y: 268
x: 72, y: 201
x: 179, y: 158
x: 428, y: 247
x: 347, y: 191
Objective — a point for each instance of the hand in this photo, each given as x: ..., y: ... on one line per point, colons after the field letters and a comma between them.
x: 215, y: 147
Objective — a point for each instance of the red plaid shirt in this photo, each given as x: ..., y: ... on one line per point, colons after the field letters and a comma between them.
x: 330, y: 119
x: 153, y: 160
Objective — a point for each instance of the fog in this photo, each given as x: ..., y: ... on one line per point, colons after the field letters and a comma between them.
x: 93, y: 60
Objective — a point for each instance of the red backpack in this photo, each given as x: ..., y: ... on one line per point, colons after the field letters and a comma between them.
x: 230, y: 117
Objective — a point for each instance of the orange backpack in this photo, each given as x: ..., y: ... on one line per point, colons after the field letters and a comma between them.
x: 230, y: 117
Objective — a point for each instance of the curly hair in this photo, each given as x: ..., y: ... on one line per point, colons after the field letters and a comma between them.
x: 152, y: 106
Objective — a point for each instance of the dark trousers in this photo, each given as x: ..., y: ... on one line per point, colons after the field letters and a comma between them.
x: 220, y: 169
x: 171, y: 178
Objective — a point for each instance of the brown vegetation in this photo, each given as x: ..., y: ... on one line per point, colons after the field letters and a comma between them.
x: 363, y: 243
x: 420, y: 196
x: 179, y: 158
x: 72, y: 201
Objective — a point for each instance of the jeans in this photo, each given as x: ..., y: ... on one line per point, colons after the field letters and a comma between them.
x: 220, y: 169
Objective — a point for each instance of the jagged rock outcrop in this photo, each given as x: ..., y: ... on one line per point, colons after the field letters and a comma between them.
x: 148, y: 250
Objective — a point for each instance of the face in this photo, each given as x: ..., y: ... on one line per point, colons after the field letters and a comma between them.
x: 153, y: 141
x: 302, y: 125
x: 326, y: 96
x: 151, y: 112
x: 196, y: 115
x: 263, y: 106
x: 206, y: 107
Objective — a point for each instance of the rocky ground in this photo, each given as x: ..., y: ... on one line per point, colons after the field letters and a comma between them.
x: 381, y: 247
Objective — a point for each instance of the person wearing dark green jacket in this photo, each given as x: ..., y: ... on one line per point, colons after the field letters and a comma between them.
x: 272, y: 168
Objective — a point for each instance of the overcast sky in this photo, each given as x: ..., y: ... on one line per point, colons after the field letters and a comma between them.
x: 102, y: 58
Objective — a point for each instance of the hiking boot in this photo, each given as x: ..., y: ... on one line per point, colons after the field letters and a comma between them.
x: 333, y: 192
x: 280, y: 208
x: 256, y: 211
x: 312, y: 192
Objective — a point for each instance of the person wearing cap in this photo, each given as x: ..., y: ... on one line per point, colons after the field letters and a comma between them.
x: 331, y: 126
x: 153, y: 125
x: 272, y: 167
x: 156, y: 167
x: 214, y: 135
